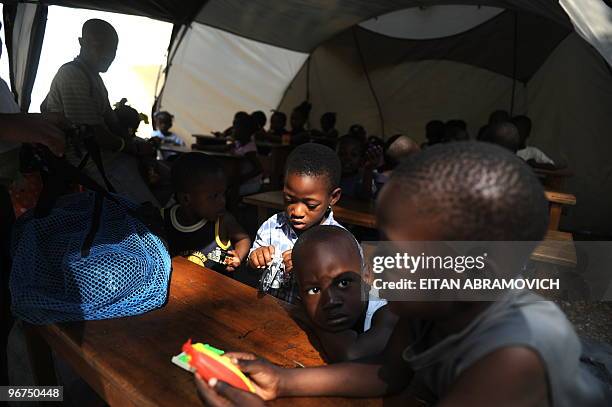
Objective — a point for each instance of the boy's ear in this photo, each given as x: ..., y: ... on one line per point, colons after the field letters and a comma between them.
x: 335, y: 196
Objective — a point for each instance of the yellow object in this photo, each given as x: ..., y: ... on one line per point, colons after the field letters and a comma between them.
x: 225, y: 361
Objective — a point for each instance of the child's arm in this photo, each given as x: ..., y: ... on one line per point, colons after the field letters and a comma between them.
x: 262, y: 252
x: 240, y: 240
x: 349, y: 345
x: 508, y: 377
x: 384, y: 374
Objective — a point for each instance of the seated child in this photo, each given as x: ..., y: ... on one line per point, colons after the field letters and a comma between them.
x: 328, y: 135
x: 517, y: 351
x: 312, y: 178
x: 434, y: 133
x: 198, y: 227
x: 260, y: 120
x: 244, y: 146
x: 163, y: 123
x: 532, y: 155
x: 504, y: 134
x: 332, y: 281
x: 358, y: 165
x: 397, y: 149
x: 278, y: 123
x: 298, y: 120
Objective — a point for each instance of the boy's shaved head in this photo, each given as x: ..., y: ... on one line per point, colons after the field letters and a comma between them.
x: 505, y: 134
x: 468, y: 191
x: 323, y: 234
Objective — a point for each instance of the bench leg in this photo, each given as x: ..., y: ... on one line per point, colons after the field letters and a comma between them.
x: 555, y: 216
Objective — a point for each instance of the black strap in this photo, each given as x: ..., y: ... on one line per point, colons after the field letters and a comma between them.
x: 95, y: 225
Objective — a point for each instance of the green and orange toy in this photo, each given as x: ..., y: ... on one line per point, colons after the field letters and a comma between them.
x: 209, y: 362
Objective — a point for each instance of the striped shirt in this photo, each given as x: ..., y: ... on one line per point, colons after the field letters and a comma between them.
x: 78, y: 92
x: 277, y: 232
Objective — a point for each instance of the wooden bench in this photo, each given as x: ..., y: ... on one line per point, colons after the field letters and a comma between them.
x: 127, y: 361
x: 556, y: 201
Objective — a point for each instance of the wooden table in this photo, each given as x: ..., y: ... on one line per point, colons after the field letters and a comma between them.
x: 553, y: 179
x: 127, y: 360
x: 347, y: 210
x: 557, y: 248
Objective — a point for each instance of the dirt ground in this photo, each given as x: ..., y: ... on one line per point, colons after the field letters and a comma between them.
x: 591, y: 319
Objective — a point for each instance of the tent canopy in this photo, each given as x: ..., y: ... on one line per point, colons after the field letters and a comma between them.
x: 394, y: 64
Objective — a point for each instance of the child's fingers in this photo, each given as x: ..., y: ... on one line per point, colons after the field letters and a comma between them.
x: 268, y: 254
x: 236, y: 396
x: 236, y: 356
x: 210, y: 397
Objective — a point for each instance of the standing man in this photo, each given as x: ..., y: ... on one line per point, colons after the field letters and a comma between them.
x: 79, y: 93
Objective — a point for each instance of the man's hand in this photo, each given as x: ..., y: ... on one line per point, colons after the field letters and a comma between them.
x: 216, y: 393
x: 261, y: 257
x: 265, y: 377
x: 287, y: 261
x: 232, y: 261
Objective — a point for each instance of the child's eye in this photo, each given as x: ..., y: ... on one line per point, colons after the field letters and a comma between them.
x: 314, y: 291
x: 312, y: 207
x: 344, y: 283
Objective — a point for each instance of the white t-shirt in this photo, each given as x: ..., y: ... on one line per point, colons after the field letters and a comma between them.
x: 534, y: 153
x: 374, y: 304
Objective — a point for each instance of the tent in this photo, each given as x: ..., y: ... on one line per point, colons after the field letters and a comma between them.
x: 393, y: 65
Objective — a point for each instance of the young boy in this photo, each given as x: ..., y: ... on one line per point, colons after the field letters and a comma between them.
x: 163, y: 123
x: 198, y: 227
x: 517, y: 351
x: 312, y: 178
x: 332, y: 281
x: 358, y: 165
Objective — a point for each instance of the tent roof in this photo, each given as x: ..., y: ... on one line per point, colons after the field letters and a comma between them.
x: 489, y: 45
x: 293, y: 24
x: 303, y: 25
x: 165, y: 10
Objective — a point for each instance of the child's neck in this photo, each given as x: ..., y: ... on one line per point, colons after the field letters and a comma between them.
x: 186, y: 217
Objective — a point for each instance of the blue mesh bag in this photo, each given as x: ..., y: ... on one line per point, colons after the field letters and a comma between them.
x: 90, y: 256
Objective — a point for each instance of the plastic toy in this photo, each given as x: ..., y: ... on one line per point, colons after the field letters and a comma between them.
x: 274, y: 276
x: 209, y: 362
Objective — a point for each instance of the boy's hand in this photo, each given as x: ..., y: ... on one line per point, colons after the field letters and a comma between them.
x: 373, y: 158
x: 216, y: 393
x: 261, y: 257
x: 287, y: 261
x: 265, y: 377
x: 232, y: 261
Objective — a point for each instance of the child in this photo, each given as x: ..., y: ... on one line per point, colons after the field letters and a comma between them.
x: 299, y: 118
x: 332, y: 277
x: 532, y: 155
x: 163, y: 123
x: 504, y: 134
x: 278, y: 123
x: 358, y: 165
x: 518, y: 351
x: 198, y: 227
x: 397, y: 149
x: 260, y: 120
x: 434, y: 133
x: 328, y: 135
x: 250, y: 169
x: 312, y: 178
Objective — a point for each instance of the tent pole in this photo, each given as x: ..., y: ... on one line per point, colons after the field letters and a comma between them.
x: 367, y: 75
x: 514, y: 62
